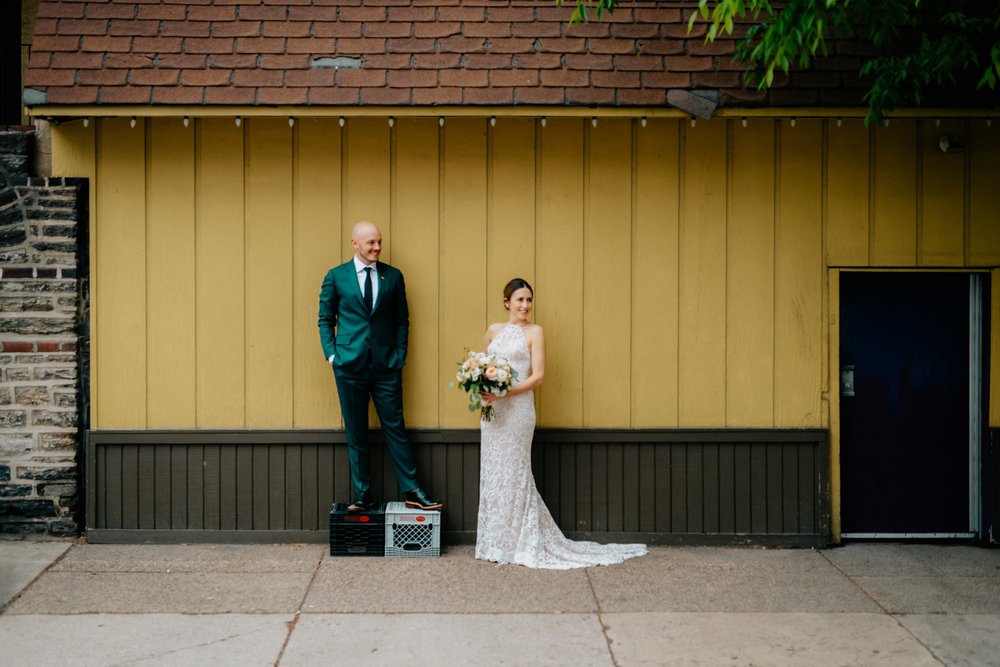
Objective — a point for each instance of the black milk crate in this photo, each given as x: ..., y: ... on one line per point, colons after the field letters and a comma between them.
x: 357, y: 534
x: 410, y: 533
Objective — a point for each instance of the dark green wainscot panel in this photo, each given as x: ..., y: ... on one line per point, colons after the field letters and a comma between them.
x: 766, y: 487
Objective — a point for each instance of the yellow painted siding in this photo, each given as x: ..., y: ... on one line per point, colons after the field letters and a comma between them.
x: 74, y: 154
x: 654, y: 275
x: 607, y: 277
x: 220, y: 327
x: 119, y: 326
x: 847, y: 192
x: 941, y: 202
x: 316, y: 245
x: 415, y: 209
x: 995, y: 350
x: 702, y: 282
x: 983, y: 173
x: 798, y: 277
x: 268, y: 273
x: 893, y: 236
x: 750, y: 287
x: 559, y: 242
x: 170, y: 274
x: 833, y: 324
x: 511, y: 182
x: 679, y: 269
x: 463, y: 234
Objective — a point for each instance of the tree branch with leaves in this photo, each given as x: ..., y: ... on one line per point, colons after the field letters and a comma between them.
x: 916, y: 45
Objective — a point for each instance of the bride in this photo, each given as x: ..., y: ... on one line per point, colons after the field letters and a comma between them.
x: 514, y: 524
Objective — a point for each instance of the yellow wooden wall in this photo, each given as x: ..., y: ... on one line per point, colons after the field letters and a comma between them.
x: 681, y: 271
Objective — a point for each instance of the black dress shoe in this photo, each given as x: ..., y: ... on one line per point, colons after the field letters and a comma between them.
x: 363, y: 505
x: 418, y: 500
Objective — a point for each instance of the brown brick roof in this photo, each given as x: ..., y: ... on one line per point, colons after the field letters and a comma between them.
x: 392, y: 52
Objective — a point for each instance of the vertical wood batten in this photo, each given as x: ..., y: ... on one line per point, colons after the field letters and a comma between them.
x: 654, y: 275
x: 894, y: 238
x: 160, y: 488
x: 269, y: 312
x: 220, y: 327
x: 994, y: 407
x: 798, y: 322
x: 702, y: 282
x: 192, y: 487
x: 212, y: 492
x: 74, y: 154
x: 559, y: 245
x: 750, y: 288
x: 133, y: 484
x: 708, y: 479
x: 607, y: 279
x: 293, y: 498
x: 316, y: 233
x: 120, y: 333
x: 268, y: 273
x: 463, y: 253
x: 942, y: 196
x: 833, y: 461
x: 984, y: 197
x: 366, y: 179
x: 510, y: 238
x: 847, y: 193
x: 415, y: 205
x: 170, y: 274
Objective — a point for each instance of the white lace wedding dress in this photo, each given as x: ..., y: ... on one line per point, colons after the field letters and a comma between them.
x: 514, y: 524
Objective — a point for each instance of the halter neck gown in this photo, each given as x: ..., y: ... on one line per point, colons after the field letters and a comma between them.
x: 514, y: 524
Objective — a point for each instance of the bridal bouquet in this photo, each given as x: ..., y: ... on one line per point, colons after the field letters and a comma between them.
x: 482, y: 373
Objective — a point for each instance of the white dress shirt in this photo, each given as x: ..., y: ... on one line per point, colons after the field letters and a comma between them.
x: 360, y: 266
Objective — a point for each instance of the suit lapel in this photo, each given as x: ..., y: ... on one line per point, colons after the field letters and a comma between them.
x: 354, y: 286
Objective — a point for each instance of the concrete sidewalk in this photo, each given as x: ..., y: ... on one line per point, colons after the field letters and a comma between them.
x: 290, y: 605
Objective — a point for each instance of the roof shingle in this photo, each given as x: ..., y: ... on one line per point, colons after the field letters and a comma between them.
x: 407, y: 52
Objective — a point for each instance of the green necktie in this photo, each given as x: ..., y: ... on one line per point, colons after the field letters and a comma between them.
x: 368, y: 288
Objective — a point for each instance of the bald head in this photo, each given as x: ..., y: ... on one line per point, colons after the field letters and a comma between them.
x: 367, y: 241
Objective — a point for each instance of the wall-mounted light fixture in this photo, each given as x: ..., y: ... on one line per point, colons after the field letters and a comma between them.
x: 949, y: 143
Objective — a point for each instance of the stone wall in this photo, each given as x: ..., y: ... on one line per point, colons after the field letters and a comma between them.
x: 40, y: 315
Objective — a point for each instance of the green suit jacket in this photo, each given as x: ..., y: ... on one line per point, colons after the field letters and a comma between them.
x: 348, y: 331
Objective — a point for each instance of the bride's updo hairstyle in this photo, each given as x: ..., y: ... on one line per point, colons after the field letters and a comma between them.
x: 513, y: 286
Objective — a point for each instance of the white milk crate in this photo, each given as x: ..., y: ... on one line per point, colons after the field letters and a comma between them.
x: 410, y: 533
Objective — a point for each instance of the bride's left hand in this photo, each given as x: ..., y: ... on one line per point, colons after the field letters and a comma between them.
x: 489, y: 399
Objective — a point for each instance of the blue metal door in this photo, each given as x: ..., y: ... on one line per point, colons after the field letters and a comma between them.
x: 905, y: 405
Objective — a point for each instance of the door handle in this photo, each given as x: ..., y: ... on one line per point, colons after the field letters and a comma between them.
x: 847, y: 380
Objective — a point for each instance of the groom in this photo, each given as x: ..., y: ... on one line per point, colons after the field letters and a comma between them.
x: 363, y: 325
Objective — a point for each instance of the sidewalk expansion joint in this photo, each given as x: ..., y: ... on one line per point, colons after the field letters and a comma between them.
x: 882, y: 607
x: 298, y: 612
x: 600, y: 618
x: 16, y: 597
